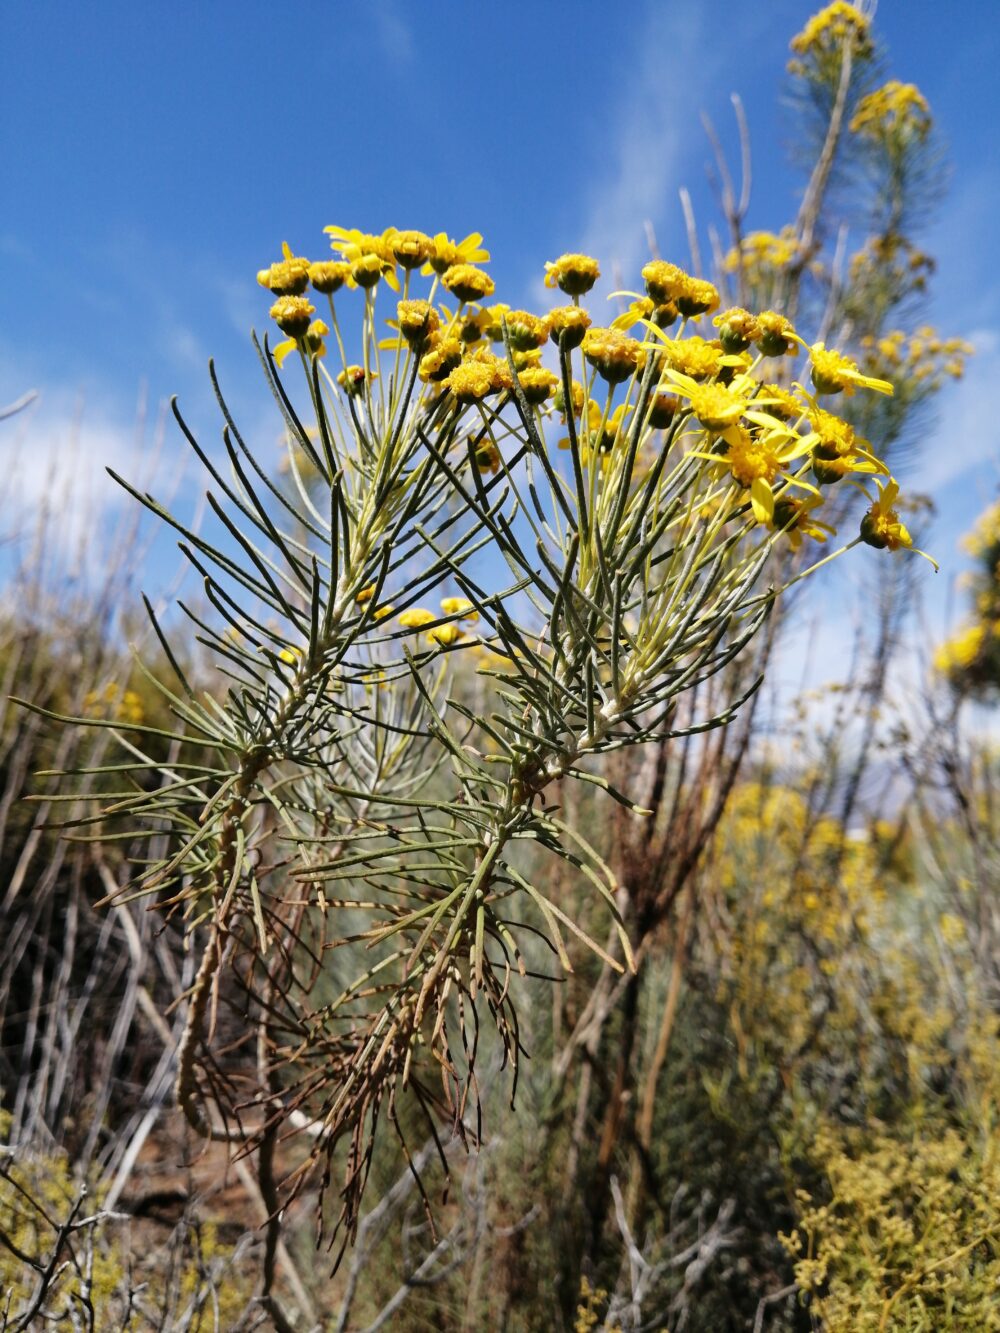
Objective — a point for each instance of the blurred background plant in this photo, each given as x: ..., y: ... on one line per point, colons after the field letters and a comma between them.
x: 785, y: 1118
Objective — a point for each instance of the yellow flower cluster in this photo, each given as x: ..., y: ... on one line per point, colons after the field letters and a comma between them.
x: 923, y: 358
x: 827, y: 33
x: 115, y: 704
x: 896, y: 110
x: 958, y: 654
x: 764, y: 252
x: 908, y: 1238
x: 772, y: 448
x: 984, y: 539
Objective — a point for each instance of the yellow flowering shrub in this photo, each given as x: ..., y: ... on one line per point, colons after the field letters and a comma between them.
x: 907, y: 1235
x: 192, y: 1274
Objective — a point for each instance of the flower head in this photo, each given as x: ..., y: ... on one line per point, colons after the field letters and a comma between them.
x: 416, y: 617
x: 440, y: 360
x: 737, y: 329
x: 416, y: 321
x: 329, y: 275
x: 459, y: 606
x: 288, y: 277
x: 566, y: 325
x: 471, y: 381
x: 833, y: 372
x: 410, y: 249
x: 468, y: 283
x: 693, y: 356
x: 881, y: 526
x: 612, y: 353
x: 752, y: 458
x: 827, y: 32
x: 292, y: 315
x: 447, y: 253
x: 370, y: 257
x: 444, y: 635
x: 572, y: 274
x: 776, y: 336
x: 537, y: 383
x: 525, y: 330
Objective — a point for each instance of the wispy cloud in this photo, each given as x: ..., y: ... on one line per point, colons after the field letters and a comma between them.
x: 394, y: 33
x: 57, y: 493
x: 646, y: 144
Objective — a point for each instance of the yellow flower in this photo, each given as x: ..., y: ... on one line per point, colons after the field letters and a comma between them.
x: 573, y: 274
x: 959, y: 653
x: 487, y: 457
x: 444, y: 635
x: 288, y: 277
x: 497, y: 366
x: 447, y: 253
x: 894, y: 109
x: 881, y: 526
x: 365, y: 595
x: 468, y: 283
x: 115, y: 704
x: 438, y: 363
x: 834, y: 436
x: 526, y: 331
x: 645, y: 308
x: 664, y: 282
x: 471, y: 382
x: 361, y: 250
x: 329, y: 275
x: 827, y: 31
x: 714, y: 405
x: 832, y: 372
x: 410, y: 249
x: 292, y: 314
x: 367, y: 269
x: 566, y: 325
x: 698, y: 297
x: 416, y: 617
x: 760, y: 251
x: 782, y: 404
x: 662, y: 410
x: 416, y: 320
x: 459, y: 606
x: 793, y: 517
x: 751, y: 458
x: 537, y: 383
x: 612, y: 353
x: 290, y: 656
x: 694, y: 356
x: 314, y: 344
x: 777, y: 337
x: 737, y: 329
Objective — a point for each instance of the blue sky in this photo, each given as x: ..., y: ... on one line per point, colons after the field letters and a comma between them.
x: 155, y: 155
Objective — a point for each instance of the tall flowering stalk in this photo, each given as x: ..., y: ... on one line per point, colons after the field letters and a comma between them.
x: 346, y: 823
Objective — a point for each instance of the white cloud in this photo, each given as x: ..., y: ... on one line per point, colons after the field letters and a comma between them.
x: 58, y: 501
x: 646, y: 143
